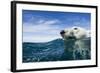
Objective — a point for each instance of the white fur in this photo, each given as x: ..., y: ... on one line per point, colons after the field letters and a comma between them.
x: 78, y: 43
x: 80, y: 33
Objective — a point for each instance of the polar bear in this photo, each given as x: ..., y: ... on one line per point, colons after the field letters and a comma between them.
x: 77, y: 43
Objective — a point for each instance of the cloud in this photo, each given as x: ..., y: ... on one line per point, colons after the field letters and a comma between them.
x: 43, y: 29
x: 40, y: 26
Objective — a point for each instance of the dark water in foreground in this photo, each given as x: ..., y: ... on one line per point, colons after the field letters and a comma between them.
x: 49, y: 51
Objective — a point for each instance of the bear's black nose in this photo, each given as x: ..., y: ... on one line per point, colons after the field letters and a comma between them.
x: 62, y: 32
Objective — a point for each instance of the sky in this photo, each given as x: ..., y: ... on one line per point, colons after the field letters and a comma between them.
x: 44, y: 26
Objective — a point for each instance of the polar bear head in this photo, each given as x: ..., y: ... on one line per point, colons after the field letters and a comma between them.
x: 75, y: 41
x: 74, y: 33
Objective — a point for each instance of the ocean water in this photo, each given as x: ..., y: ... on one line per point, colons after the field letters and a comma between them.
x: 51, y: 51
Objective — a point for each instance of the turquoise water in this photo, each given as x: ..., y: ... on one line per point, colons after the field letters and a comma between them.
x: 51, y: 51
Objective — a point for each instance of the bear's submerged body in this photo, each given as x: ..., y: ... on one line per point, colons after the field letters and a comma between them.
x: 79, y: 50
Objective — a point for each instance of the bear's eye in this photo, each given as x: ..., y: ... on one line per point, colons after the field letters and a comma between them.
x: 75, y: 28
